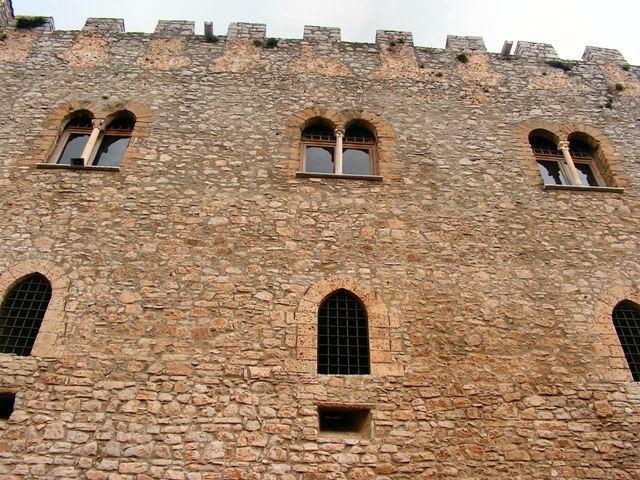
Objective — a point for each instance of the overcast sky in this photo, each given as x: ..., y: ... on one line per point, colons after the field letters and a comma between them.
x: 569, y: 25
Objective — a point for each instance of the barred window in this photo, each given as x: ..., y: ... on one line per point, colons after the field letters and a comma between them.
x: 22, y: 312
x: 343, y: 336
x: 626, y: 319
x: 319, y: 144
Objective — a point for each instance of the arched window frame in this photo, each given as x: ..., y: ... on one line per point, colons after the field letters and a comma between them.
x: 605, y: 164
x: 98, y: 133
x: 385, y: 333
x: 343, y: 335
x: 70, y: 129
x: 625, y: 317
x: 22, y: 312
x: 110, y: 131
x: 310, y: 140
x: 50, y: 340
x: 340, y: 143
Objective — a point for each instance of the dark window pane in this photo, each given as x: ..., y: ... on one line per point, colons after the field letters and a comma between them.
x: 111, y: 151
x: 356, y: 161
x: 586, y: 174
x: 319, y: 160
x: 348, y: 352
x: 550, y: 172
x: 73, y: 148
x: 626, y: 319
x: 21, y: 314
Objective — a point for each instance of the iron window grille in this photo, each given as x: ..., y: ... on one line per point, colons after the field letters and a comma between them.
x: 343, y: 336
x: 21, y: 314
x: 626, y: 319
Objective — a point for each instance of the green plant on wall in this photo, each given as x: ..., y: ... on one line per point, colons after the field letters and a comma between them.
x: 30, y: 22
x: 462, y: 57
x: 565, y: 66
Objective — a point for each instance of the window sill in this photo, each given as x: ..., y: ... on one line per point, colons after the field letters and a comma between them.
x: 580, y: 188
x: 57, y: 166
x: 370, y: 178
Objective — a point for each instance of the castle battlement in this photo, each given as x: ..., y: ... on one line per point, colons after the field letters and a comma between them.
x: 329, y: 36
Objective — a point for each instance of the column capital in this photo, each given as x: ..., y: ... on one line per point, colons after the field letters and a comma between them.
x: 97, y: 123
x: 563, y: 145
x: 339, y: 132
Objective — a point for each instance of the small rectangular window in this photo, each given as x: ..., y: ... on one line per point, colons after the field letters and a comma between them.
x: 7, y: 400
x: 345, y: 420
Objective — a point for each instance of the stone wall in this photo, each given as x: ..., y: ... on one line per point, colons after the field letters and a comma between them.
x: 6, y: 13
x: 184, y: 281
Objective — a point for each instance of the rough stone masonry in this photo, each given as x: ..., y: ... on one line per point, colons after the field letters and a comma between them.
x: 179, y: 341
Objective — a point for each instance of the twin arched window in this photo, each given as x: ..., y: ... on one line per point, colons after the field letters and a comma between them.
x: 22, y: 312
x: 85, y: 142
x: 329, y: 151
x: 343, y: 335
x: 575, y: 162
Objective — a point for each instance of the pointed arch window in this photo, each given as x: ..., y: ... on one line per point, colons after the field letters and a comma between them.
x: 22, y: 312
x: 626, y: 319
x: 343, y: 335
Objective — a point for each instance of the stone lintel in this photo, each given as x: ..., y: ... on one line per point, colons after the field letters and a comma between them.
x: 465, y: 44
x: 239, y: 30
x: 175, y: 27
x: 535, y: 50
x: 104, y: 25
x: 321, y: 34
x: 385, y: 37
x: 603, y: 55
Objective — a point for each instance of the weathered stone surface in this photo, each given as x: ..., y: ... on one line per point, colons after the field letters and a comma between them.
x: 180, y: 341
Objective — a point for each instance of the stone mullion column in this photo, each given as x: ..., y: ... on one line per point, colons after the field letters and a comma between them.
x: 563, y: 146
x: 338, y: 152
x: 91, y: 143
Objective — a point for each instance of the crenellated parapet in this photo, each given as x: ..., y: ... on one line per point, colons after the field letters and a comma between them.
x: 104, y: 25
x: 465, y: 44
x: 321, y: 49
x: 603, y: 55
x: 535, y: 50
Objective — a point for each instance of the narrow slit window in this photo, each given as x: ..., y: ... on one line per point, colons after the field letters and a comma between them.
x: 21, y: 314
x: 626, y: 319
x: 343, y: 337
